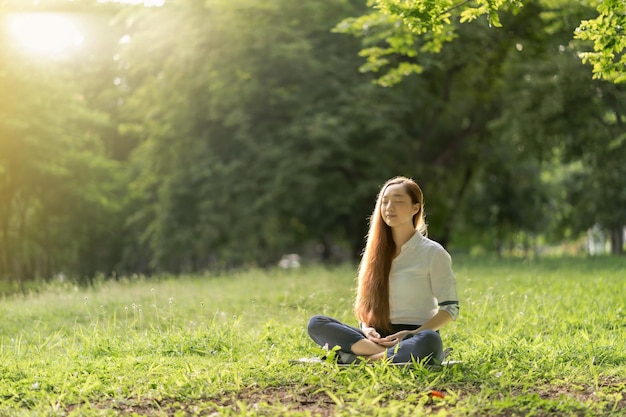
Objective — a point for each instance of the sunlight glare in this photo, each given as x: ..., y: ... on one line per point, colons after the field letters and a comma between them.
x: 146, y: 3
x: 45, y: 33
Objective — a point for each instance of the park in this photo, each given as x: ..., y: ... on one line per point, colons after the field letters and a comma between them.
x: 184, y: 184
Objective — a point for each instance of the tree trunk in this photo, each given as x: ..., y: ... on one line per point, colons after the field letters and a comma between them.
x: 446, y: 236
x: 20, y: 255
x: 617, y: 240
x: 4, y: 250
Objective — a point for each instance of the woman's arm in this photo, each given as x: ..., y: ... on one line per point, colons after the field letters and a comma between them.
x: 438, y: 321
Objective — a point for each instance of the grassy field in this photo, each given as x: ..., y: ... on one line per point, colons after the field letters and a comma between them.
x: 535, y: 338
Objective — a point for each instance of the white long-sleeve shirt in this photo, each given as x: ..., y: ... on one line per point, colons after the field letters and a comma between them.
x: 421, y: 282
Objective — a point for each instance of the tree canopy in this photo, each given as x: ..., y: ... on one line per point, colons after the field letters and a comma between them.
x: 409, y: 28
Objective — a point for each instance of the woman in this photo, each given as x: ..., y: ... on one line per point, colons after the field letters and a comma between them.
x: 406, y: 287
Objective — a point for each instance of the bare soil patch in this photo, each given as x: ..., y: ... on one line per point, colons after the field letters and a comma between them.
x: 285, y: 399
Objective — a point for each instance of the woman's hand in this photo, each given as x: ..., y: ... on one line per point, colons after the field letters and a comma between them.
x: 389, y: 341
x: 371, y: 334
x: 394, y: 339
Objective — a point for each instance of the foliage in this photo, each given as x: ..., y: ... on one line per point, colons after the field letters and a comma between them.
x: 312, y: 145
x: 411, y: 27
x: 534, y: 338
x: 609, y: 41
x: 240, y: 147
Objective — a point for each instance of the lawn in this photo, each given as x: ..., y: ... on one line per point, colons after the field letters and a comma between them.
x: 538, y: 338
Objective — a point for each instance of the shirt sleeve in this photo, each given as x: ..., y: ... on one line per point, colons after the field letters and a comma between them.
x: 443, y: 283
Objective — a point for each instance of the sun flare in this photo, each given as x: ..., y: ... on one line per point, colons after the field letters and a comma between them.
x: 44, y: 33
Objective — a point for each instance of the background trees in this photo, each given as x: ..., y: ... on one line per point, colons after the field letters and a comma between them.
x: 542, y: 107
x: 59, y: 196
x: 209, y: 135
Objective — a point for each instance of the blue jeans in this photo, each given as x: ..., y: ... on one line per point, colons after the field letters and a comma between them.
x: 426, y: 344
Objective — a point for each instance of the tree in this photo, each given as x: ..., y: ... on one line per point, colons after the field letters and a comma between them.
x: 400, y: 38
x: 557, y: 112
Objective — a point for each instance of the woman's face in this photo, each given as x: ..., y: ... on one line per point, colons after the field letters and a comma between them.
x: 396, y: 207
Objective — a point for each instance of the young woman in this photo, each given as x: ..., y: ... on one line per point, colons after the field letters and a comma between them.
x: 406, y: 287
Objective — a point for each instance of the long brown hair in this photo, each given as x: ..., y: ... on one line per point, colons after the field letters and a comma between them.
x: 372, y: 300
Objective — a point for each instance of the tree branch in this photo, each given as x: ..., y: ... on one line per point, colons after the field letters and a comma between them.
x: 456, y: 6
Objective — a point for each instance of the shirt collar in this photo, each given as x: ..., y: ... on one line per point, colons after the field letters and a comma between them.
x: 415, y: 240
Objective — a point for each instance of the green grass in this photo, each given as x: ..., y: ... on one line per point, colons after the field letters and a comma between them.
x: 535, y: 338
